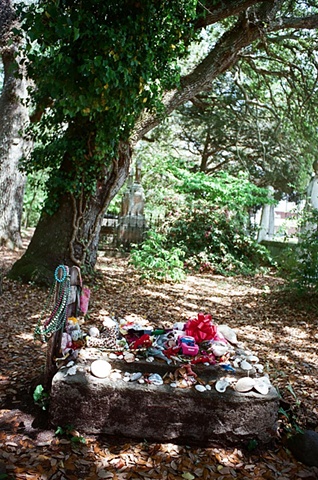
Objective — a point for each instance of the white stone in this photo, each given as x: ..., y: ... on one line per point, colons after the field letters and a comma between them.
x: 72, y: 370
x: 115, y: 375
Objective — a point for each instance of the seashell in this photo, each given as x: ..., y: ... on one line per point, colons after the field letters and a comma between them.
x: 265, y: 379
x: 155, y: 379
x: 245, y: 365
x: 252, y: 358
x: 115, y: 376
x: 200, y: 388
x: 219, y: 349
x: 129, y: 357
x: 221, y: 385
x: 262, y: 385
x: 236, y: 362
x: 100, y: 368
x: 135, y: 376
x: 228, y: 333
x: 112, y: 356
x: 259, y: 367
x: 173, y: 385
x: 72, y: 370
x: 141, y: 380
x: 93, y: 332
x: 208, y: 387
x: 244, y: 384
x: 108, y: 322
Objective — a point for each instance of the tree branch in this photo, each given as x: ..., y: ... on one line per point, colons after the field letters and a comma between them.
x: 224, y: 9
x: 310, y: 22
x: 224, y: 56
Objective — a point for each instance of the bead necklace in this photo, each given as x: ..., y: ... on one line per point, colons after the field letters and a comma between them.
x: 57, y: 318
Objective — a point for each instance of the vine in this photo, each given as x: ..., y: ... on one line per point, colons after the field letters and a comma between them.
x: 93, y: 80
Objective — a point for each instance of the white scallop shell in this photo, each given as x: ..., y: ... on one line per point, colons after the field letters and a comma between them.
x: 228, y: 333
x: 100, y: 368
x: 265, y: 379
x: 261, y: 385
x: 244, y: 384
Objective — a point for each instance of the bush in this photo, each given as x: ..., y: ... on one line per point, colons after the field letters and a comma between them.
x: 156, y: 262
x: 206, y: 228
x: 300, y: 268
x: 213, y: 239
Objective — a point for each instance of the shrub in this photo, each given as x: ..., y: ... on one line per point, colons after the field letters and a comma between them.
x: 154, y: 261
x: 300, y: 268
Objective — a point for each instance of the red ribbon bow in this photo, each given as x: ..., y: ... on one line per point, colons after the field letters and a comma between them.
x: 201, y: 328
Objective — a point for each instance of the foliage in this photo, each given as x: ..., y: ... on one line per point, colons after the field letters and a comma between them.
x: 258, y: 118
x: 301, y: 267
x: 207, y: 225
x: 34, y: 198
x: 69, y: 432
x: 96, y: 81
x: 216, y: 239
x: 41, y: 397
x: 154, y: 261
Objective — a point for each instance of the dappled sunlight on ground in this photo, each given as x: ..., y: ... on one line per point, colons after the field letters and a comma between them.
x: 279, y: 330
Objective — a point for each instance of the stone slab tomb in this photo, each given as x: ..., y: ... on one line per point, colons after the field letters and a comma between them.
x: 119, y: 404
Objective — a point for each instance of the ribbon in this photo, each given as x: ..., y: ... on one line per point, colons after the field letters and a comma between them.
x: 201, y: 328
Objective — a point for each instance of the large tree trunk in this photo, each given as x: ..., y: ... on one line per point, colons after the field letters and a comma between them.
x: 70, y: 236
x: 13, y: 117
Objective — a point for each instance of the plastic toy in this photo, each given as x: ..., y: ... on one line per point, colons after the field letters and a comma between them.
x: 188, y: 346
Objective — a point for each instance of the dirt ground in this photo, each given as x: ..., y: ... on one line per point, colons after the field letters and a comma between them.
x: 280, y: 328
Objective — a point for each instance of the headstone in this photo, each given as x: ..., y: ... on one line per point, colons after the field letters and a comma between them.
x: 266, y: 230
x: 132, y: 221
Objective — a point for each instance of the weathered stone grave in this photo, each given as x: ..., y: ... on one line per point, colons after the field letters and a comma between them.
x: 161, y: 413
x: 191, y: 383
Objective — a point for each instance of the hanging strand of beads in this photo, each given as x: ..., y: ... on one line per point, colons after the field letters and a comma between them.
x: 57, y: 319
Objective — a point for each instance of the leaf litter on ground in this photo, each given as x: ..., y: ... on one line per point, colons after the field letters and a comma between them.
x: 282, y: 331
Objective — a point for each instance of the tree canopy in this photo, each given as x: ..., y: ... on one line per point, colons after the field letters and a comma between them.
x: 105, y: 74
